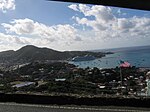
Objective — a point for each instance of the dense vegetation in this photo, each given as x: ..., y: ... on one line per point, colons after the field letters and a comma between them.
x: 61, y: 77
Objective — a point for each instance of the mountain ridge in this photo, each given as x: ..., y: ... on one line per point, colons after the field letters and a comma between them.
x: 31, y: 53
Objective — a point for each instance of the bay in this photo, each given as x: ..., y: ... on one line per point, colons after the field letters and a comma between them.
x: 136, y: 56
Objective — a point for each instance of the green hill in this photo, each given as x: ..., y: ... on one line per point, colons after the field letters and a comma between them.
x: 31, y: 53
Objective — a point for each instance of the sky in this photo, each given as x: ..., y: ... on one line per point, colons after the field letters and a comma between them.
x: 70, y: 26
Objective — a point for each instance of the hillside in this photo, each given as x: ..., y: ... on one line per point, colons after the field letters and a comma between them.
x: 31, y: 53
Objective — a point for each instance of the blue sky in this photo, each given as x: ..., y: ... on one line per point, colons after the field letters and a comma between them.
x: 67, y: 26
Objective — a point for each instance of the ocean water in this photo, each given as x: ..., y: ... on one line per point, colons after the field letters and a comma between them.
x: 136, y: 56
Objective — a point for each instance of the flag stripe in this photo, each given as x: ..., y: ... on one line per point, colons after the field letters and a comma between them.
x: 125, y: 64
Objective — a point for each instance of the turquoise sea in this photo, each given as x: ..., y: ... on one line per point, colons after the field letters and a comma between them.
x: 136, y: 56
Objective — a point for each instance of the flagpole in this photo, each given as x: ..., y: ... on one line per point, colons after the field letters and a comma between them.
x: 121, y: 78
x: 121, y: 75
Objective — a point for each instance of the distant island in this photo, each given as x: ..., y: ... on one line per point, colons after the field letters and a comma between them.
x: 32, y: 53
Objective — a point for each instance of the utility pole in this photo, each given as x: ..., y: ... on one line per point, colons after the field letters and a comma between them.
x: 121, y: 79
x: 121, y: 76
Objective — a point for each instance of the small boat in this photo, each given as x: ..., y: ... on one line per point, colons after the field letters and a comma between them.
x: 83, y: 58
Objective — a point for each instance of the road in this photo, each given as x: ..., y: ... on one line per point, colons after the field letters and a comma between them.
x: 12, y: 107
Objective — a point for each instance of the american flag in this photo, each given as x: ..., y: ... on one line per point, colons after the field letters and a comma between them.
x: 125, y: 64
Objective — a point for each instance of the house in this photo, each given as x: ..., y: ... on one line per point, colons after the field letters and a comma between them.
x: 1, y: 75
x: 60, y: 80
x: 23, y: 84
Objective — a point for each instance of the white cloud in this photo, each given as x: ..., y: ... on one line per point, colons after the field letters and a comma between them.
x: 101, y: 29
x: 107, y: 25
x: 53, y: 33
x: 73, y: 7
x: 7, y: 5
x: 12, y: 42
x: 26, y: 31
x: 107, y: 29
x: 20, y: 26
x: 101, y: 13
